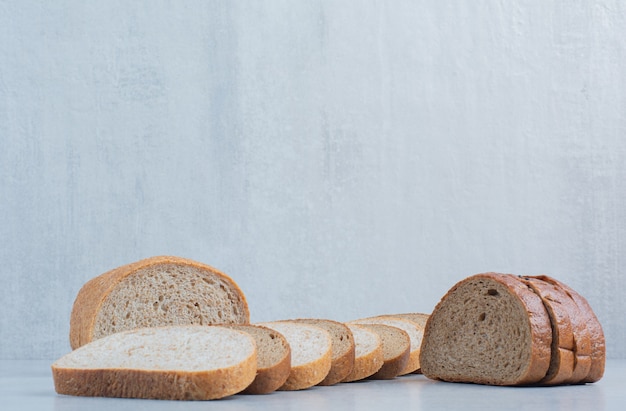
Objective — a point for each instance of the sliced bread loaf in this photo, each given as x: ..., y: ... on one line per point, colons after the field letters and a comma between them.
x: 311, y: 353
x: 273, y: 358
x: 157, y: 291
x: 368, y: 353
x: 488, y: 329
x: 342, y: 346
x: 558, y: 305
x: 396, y: 350
x: 413, y: 329
x: 176, y: 363
x: 594, y: 331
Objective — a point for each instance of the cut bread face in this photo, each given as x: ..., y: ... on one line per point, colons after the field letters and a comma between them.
x: 273, y: 358
x: 342, y: 348
x: 369, y: 357
x: 157, y: 291
x: 311, y: 353
x: 396, y: 350
x: 419, y: 318
x: 177, y: 363
x: 588, y: 335
x: 413, y: 329
x: 488, y: 329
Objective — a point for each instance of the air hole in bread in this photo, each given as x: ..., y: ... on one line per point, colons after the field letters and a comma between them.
x: 482, y: 317
x: 493, y: 291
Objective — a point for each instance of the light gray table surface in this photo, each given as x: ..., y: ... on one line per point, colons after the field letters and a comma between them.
x: 28, y: 385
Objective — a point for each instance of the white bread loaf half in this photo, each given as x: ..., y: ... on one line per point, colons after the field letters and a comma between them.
x: 174, y: 363
x: 311, y: 353
x: 368, y: 353
x: 157, y: 291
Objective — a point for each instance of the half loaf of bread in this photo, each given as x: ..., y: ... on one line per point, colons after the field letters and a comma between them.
x: 175, y: 363
x: 157, y: 291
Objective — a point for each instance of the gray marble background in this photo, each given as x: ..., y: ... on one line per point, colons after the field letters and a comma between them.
x: 337, y: 159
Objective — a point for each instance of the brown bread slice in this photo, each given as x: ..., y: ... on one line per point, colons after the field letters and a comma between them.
x: 488, y: 329
x: 396, y: 350
x: 342, y: 346
x: 420, y: 318
x: 311, y: 353
x: 558, y: 306
x: 414, y: 330
x: 157, y: 291
x: 368, y: 355
x: 273, y: 358
x: 598, y: 344
x: 174, y: 363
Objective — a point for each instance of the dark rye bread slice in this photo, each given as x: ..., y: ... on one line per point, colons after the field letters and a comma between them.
x: 396, y: 350
x: 273, y: 358
x: 559, y: 307
x: 593, y: 326
x: 157, y: 291
x: 488, y: 329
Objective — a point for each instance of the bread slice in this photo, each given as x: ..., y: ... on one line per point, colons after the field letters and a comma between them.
x: 342, y: 346
x: 311, y: 353
x: 174, y: 363
x: 157, y: 291
x: 488, y: 329
x: 420, y: 318
x: 414, y: 330
x: 369, y: 356
x: 396, y: 350
x: 558, y: 305
x: 595, y: 334
x: 273, y: 358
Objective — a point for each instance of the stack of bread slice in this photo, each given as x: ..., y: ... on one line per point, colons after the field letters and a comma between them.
x: 502, y: 329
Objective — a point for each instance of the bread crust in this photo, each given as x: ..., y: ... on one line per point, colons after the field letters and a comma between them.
x: 93, y: 294
x: 595, y: 333
x: 538, y: 323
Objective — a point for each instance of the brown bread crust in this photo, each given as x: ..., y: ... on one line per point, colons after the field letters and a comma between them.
x: 93, y: 294
x: 596, y: 334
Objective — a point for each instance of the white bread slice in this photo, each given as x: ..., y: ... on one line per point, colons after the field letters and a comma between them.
x: 311, y: 353
x: 396, y: 350
x: 413, y: 329
x: 342, y: 346
x: 157, y: 291
x: 273, y: 358
x: 176, y: 363
x: 488, y: 329
x: 368, y: 353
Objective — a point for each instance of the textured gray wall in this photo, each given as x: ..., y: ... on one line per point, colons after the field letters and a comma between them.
x: 337, y: 159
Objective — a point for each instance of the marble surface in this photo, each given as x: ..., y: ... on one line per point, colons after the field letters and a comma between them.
x: 28, y: 385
